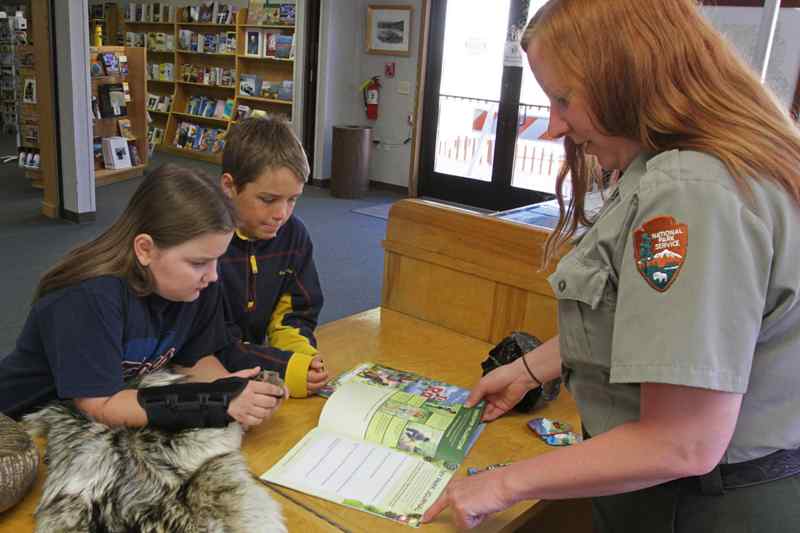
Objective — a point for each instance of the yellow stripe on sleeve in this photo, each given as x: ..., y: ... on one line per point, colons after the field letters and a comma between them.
x: 285, y: 337
x: 297, y: 375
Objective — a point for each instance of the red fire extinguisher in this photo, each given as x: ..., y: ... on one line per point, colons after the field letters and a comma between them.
x: 370, y: 90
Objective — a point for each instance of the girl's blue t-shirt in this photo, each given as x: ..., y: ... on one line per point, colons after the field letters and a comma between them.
x: 89, y: 339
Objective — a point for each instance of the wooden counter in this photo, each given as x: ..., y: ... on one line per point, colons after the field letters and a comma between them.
x: 455, y: 283
x: 398, y: 340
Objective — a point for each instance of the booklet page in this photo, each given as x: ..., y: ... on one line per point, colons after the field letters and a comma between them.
x: 361, y: 475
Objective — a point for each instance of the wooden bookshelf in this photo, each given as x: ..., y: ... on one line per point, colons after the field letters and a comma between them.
x: 107, y: 16
x: 271, y: 69
x: 35, y: 62
x: 136, y: 111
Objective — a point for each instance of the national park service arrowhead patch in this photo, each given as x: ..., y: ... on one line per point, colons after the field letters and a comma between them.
x: 659, y: 249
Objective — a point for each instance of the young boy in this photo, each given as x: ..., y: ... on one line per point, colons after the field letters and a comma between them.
x: 272, y: 291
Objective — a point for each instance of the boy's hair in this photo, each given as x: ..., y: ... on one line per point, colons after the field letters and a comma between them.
x: 173, y: 205
x: 259, y: 144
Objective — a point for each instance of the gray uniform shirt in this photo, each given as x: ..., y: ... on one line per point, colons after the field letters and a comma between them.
x: 685, y: 280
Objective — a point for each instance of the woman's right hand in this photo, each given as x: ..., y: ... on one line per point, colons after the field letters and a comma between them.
x: 502, y: 388
x: 257, y: 402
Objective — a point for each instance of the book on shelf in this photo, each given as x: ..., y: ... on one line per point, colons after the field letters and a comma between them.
x: 225, y: 13
x: 110, y: 63
x: 387, y: 443
x: 29, y: 91
x: 185, y: 39
x: 191, y: 13
x: 136, y: 160
x: 97, y: 151
x: 125, y: 128
x: 227, y: 112
x: 272, y: 15
x: 152, y: 101
x: 219, y: 109
x: 256, y: 11
x: 242, y: 112
x: 115, y: 153
x: 286, y: 90
x: 112, y: 100
x: 158, y: 12
x: 95, y: 108
x: 287, y: 14
x: 269, y: 90
x: 269, y: 43
x: 253, y: 40
x: 190, y: 136
x: 283, y: 46
x: 96, y: 68
x: 249, y: 84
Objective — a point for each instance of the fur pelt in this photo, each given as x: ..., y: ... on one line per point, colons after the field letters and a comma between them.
x: 145, y: 480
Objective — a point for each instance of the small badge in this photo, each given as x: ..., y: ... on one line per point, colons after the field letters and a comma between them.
x: 561, y: 439
x: 546, y: 426
x: 659, y: 248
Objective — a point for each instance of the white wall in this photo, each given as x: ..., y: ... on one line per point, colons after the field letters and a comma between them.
x: 344, y: 65
x: 74, y: 95
x: 337, y: 83
x: 741, y: 26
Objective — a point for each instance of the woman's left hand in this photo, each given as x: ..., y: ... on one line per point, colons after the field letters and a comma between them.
x: 471, y: 499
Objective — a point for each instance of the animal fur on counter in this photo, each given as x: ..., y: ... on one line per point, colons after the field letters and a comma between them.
x: 103, y: 479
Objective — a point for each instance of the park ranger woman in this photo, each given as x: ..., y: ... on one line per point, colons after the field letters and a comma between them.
x: 679, y: 307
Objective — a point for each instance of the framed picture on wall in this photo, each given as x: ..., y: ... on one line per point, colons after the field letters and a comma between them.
x: 29, y: 91
x: 389, y: 29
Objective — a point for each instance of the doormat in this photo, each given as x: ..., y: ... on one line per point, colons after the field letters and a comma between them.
x: 377, y: 211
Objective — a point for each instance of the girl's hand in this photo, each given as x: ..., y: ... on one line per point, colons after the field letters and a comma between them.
x: 257, y: 402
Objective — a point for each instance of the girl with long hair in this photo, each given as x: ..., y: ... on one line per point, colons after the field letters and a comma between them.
x: 679, y: 305
x: 139, y: 297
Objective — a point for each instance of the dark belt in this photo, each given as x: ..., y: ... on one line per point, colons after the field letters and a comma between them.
x: 772, y: 467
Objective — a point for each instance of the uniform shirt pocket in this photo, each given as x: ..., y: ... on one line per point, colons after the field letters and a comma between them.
x: 586, y: 302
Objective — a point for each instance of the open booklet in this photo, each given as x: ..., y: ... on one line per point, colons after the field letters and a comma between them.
x: 384, y: 376
x: 381, y: 449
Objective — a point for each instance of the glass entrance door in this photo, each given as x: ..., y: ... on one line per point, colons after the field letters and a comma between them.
x: 483, y: 141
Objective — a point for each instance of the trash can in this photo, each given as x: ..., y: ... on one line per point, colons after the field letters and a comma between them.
x: 350, y: 161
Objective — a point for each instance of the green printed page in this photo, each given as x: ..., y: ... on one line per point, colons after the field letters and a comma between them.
x: 361, y: 475
x: 434, y: 430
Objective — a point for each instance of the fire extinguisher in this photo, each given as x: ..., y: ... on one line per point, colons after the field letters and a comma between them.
x: 370, y: 89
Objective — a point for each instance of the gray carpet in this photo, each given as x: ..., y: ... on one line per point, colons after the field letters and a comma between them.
x: 377, y: 211
x: 347, y: 245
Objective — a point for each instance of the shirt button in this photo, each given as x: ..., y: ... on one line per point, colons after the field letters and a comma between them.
x: 562, y: 285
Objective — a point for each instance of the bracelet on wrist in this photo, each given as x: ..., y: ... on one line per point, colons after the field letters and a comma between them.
x: 533, y: 376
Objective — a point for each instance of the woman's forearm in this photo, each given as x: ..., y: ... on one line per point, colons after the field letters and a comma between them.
x: 545, y: 361
x: 622, y: 460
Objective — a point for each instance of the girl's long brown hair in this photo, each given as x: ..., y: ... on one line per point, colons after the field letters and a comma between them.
x: 656, y: 71
x: 172, y: 205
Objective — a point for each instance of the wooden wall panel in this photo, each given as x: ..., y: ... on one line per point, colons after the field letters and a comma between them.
x: 494, y: 248
x: 443, y: 296
x: 467, y: 272
x: 541, y: 316
x: 508, y: 313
